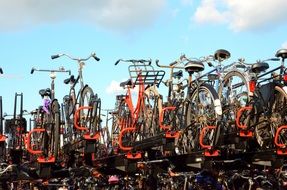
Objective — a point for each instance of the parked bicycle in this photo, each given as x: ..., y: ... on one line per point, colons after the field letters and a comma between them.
x: 44, y: 139
x: 136, y: 120
x: 81, y: 108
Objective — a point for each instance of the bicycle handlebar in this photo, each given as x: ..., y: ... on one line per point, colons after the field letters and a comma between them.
x: 241, y: 62
x: 134, y: 61
x: 1, y: 70
x: 183, y: 58
x: 76, y: 59
x: 60, y: 70
x: 171, y: 65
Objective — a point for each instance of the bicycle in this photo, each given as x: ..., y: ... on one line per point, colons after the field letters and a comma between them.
x: 46, y: 132
x: 81, y: 109
x: 136, y: 121
x: 264, y: 114
x: 171, y: 111
x: 202, y: 111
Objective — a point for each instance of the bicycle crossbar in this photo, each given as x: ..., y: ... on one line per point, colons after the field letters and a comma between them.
x: 29, y: 148
x: 77, y: 118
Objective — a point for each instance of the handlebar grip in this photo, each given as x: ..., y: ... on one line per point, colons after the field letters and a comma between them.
x: 156, y: 62
x: 173, y: 63
x: 96, y: 58
x: 1, y: 70
x: 32, y: 70
x: 117, y: 62
x: 55, y: 56
x: 149, y: 62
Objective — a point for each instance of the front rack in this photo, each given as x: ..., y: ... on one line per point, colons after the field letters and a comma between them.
x: 145, y: 74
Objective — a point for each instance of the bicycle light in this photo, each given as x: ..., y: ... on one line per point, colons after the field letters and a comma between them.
x: 252, y: 85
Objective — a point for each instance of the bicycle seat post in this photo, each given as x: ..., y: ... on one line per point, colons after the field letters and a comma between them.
x: 53, y: 77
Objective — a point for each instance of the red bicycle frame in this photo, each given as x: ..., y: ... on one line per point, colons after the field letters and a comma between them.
x: 135, y: 111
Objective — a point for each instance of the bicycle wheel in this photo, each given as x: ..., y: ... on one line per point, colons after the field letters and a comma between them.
x: 234, y: 94
x: 95, y: 115
x: 266, y: 128
x: 203, y: 109
x: 86, y: 100
x: 55, y: 129
x: 153, y: 103
x: 123, y: 120
x: 69, y: 109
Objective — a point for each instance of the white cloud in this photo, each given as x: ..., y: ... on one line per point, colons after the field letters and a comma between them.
x: 114, y: 88
x: 284, y: 45
x: 244, y: 14
x: 115, y: 14
x: 208, y: 13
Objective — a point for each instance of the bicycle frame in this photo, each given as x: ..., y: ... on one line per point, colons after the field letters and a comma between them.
x: 135, y: 111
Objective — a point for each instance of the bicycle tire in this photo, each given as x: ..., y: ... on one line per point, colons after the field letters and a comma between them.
x: 86, y: 97
x: 265, y: 135
x: 224, y: 98
x: 95, y: 115
x: 213, y: 114
x: 55, y: 110
x: 124, y: 120
x: 69, y: 109
x: 153, y: 105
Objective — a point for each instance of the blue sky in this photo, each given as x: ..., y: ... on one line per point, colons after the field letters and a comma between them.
x: 32, y: 30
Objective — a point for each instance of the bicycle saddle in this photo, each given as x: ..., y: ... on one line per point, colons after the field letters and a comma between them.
x: 71, y: 79
x: 45, y: 92
x: 120, y: 97
x: 126, y: 83
x: 193, y: 66
x: 221, y: 55
x: 177, y: 74
x: 281, y: 53
x: 259, y: 67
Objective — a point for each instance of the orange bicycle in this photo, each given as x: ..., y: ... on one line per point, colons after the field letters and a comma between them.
x: 133, y: 119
